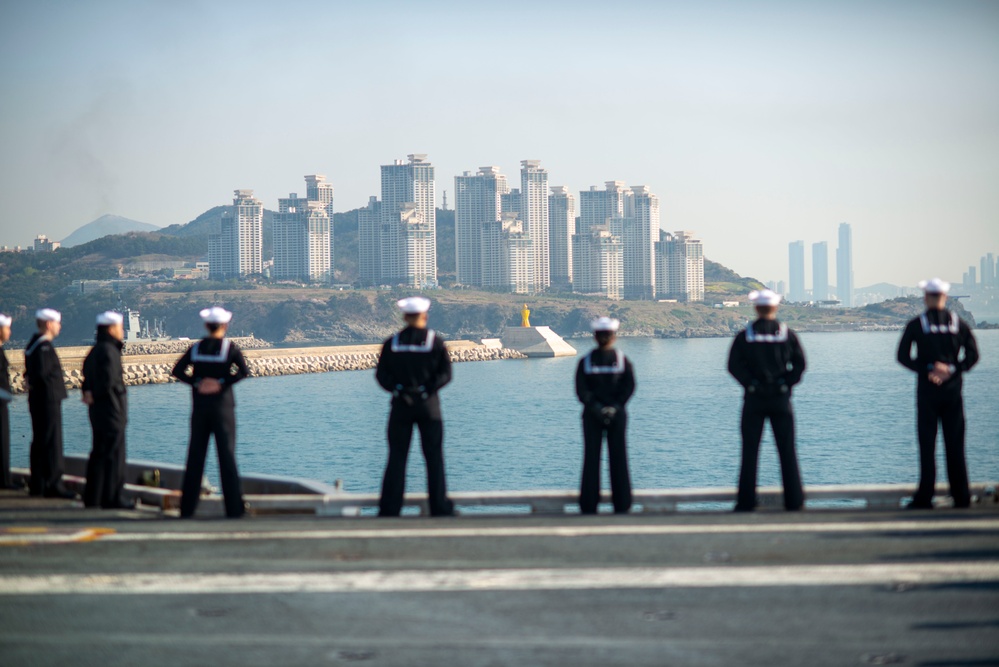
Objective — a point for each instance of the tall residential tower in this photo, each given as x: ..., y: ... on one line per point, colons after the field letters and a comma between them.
x: 844, y: 265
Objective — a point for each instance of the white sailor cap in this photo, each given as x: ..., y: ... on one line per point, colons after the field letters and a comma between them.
x: 109, y: 318
x: 764, y: 297
x: 605, y: 324
x: 216, y: 315
x: 414, y: 305
x: 48, y: 315
x: 934, y: 286
x: 5, y: 320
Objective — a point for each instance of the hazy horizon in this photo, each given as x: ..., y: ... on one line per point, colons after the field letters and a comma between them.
x: 756, y: 124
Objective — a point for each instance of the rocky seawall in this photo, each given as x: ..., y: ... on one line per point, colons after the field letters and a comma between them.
x: 157, y: 371
x: 180, y: 346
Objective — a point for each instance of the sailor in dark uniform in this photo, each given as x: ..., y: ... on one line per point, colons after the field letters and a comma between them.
x: 105, y: 395
x: 6, y: 481
x: 46, y: 392
x: 939, y: 336
x: 212, y: 366
x: 414, y: 366
x: 605, y: 381
x: 767, y: 360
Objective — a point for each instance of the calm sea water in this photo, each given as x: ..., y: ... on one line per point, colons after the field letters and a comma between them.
x: 515, y: 424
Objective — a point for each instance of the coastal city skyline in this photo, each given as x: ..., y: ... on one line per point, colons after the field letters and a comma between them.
x: 752, y: 122
x: 525, y: 240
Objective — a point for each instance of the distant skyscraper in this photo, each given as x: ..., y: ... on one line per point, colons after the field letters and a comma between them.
x: 236, y: 249
x: 510, y: 201
x: 597, y: 262
x: 416, y: 237
x: 988, y: 270
x: 844, y: 265
x: 476, y: 203
x: 596, y: 207
x: 369, y: 232
x: 516, y: 256
x: 561, y: 227
x: 402, y: 184
x: 796, y: 271
x: 680, y: 266
x: 639, y: 235
x: 820, y: 271
x: 534, y: 215
x: 972, y: 276
x: 318, y: 190
x: 301, y: 235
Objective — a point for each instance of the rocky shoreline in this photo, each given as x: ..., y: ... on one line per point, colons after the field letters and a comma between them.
x: 139, y: 372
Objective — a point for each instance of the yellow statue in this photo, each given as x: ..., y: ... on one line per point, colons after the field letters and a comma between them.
x: 524, y: 317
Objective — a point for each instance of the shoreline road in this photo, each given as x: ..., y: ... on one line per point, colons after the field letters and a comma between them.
x: 837, y: 588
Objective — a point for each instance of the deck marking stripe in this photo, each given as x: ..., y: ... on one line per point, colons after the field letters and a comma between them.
x: 556, y: 531
x: 401, y: 581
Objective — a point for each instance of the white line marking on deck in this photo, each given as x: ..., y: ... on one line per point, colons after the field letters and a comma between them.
x: 555, y: 531
x: 404, y: 581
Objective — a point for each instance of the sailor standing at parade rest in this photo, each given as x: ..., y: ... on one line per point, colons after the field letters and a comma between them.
x: 46, y: 392
x: 605, y: 380
x: 105, y: 395
x: 767, y: 360
x: 939, y: 336
x: 212, y: 366
x: 6, y: 481
x: 413, y: 367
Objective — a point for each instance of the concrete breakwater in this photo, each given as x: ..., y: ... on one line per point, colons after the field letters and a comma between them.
x: 180, y: 346
x: 155, y: 369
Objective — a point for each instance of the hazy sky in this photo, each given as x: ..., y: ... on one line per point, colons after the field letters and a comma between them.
x: 756, y: 123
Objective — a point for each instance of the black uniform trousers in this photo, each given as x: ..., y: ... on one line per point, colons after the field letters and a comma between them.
x: 755, y: 411
x: 946, y: 407
x: 46, y: 447
x: 425, y: 415
x: 617, y: 455
x: 214, y: 416
x: 106, y: 469
x: 6, y: 480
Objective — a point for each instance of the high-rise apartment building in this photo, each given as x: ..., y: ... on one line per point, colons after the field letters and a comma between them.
x: 796, y: 271
x: 510, y: 201
x: 45, y: 244
x: 418, y: 243
x: 516, y: 256
x: 561, y: 227
x: 405, y: 183
x: 318, y: 190
x: 844, y: 265
x: 476, y: 203
x: 301, y: 235
x: 820, y: 271
x: 596, y: 207
x: 369, y: 238
x: 680, y: 266
x: 534, y: 215
x: 639, y: 235
x: 598, y: 262
x: 236, y: 249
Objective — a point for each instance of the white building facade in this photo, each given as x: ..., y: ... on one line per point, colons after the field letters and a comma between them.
x: 534, y: 215
x: 477, y: 202
x: 598, y: 262
x: 301, y: 236
x: 680, y: 260
x: 561, y: 228
x: 237, y: 248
